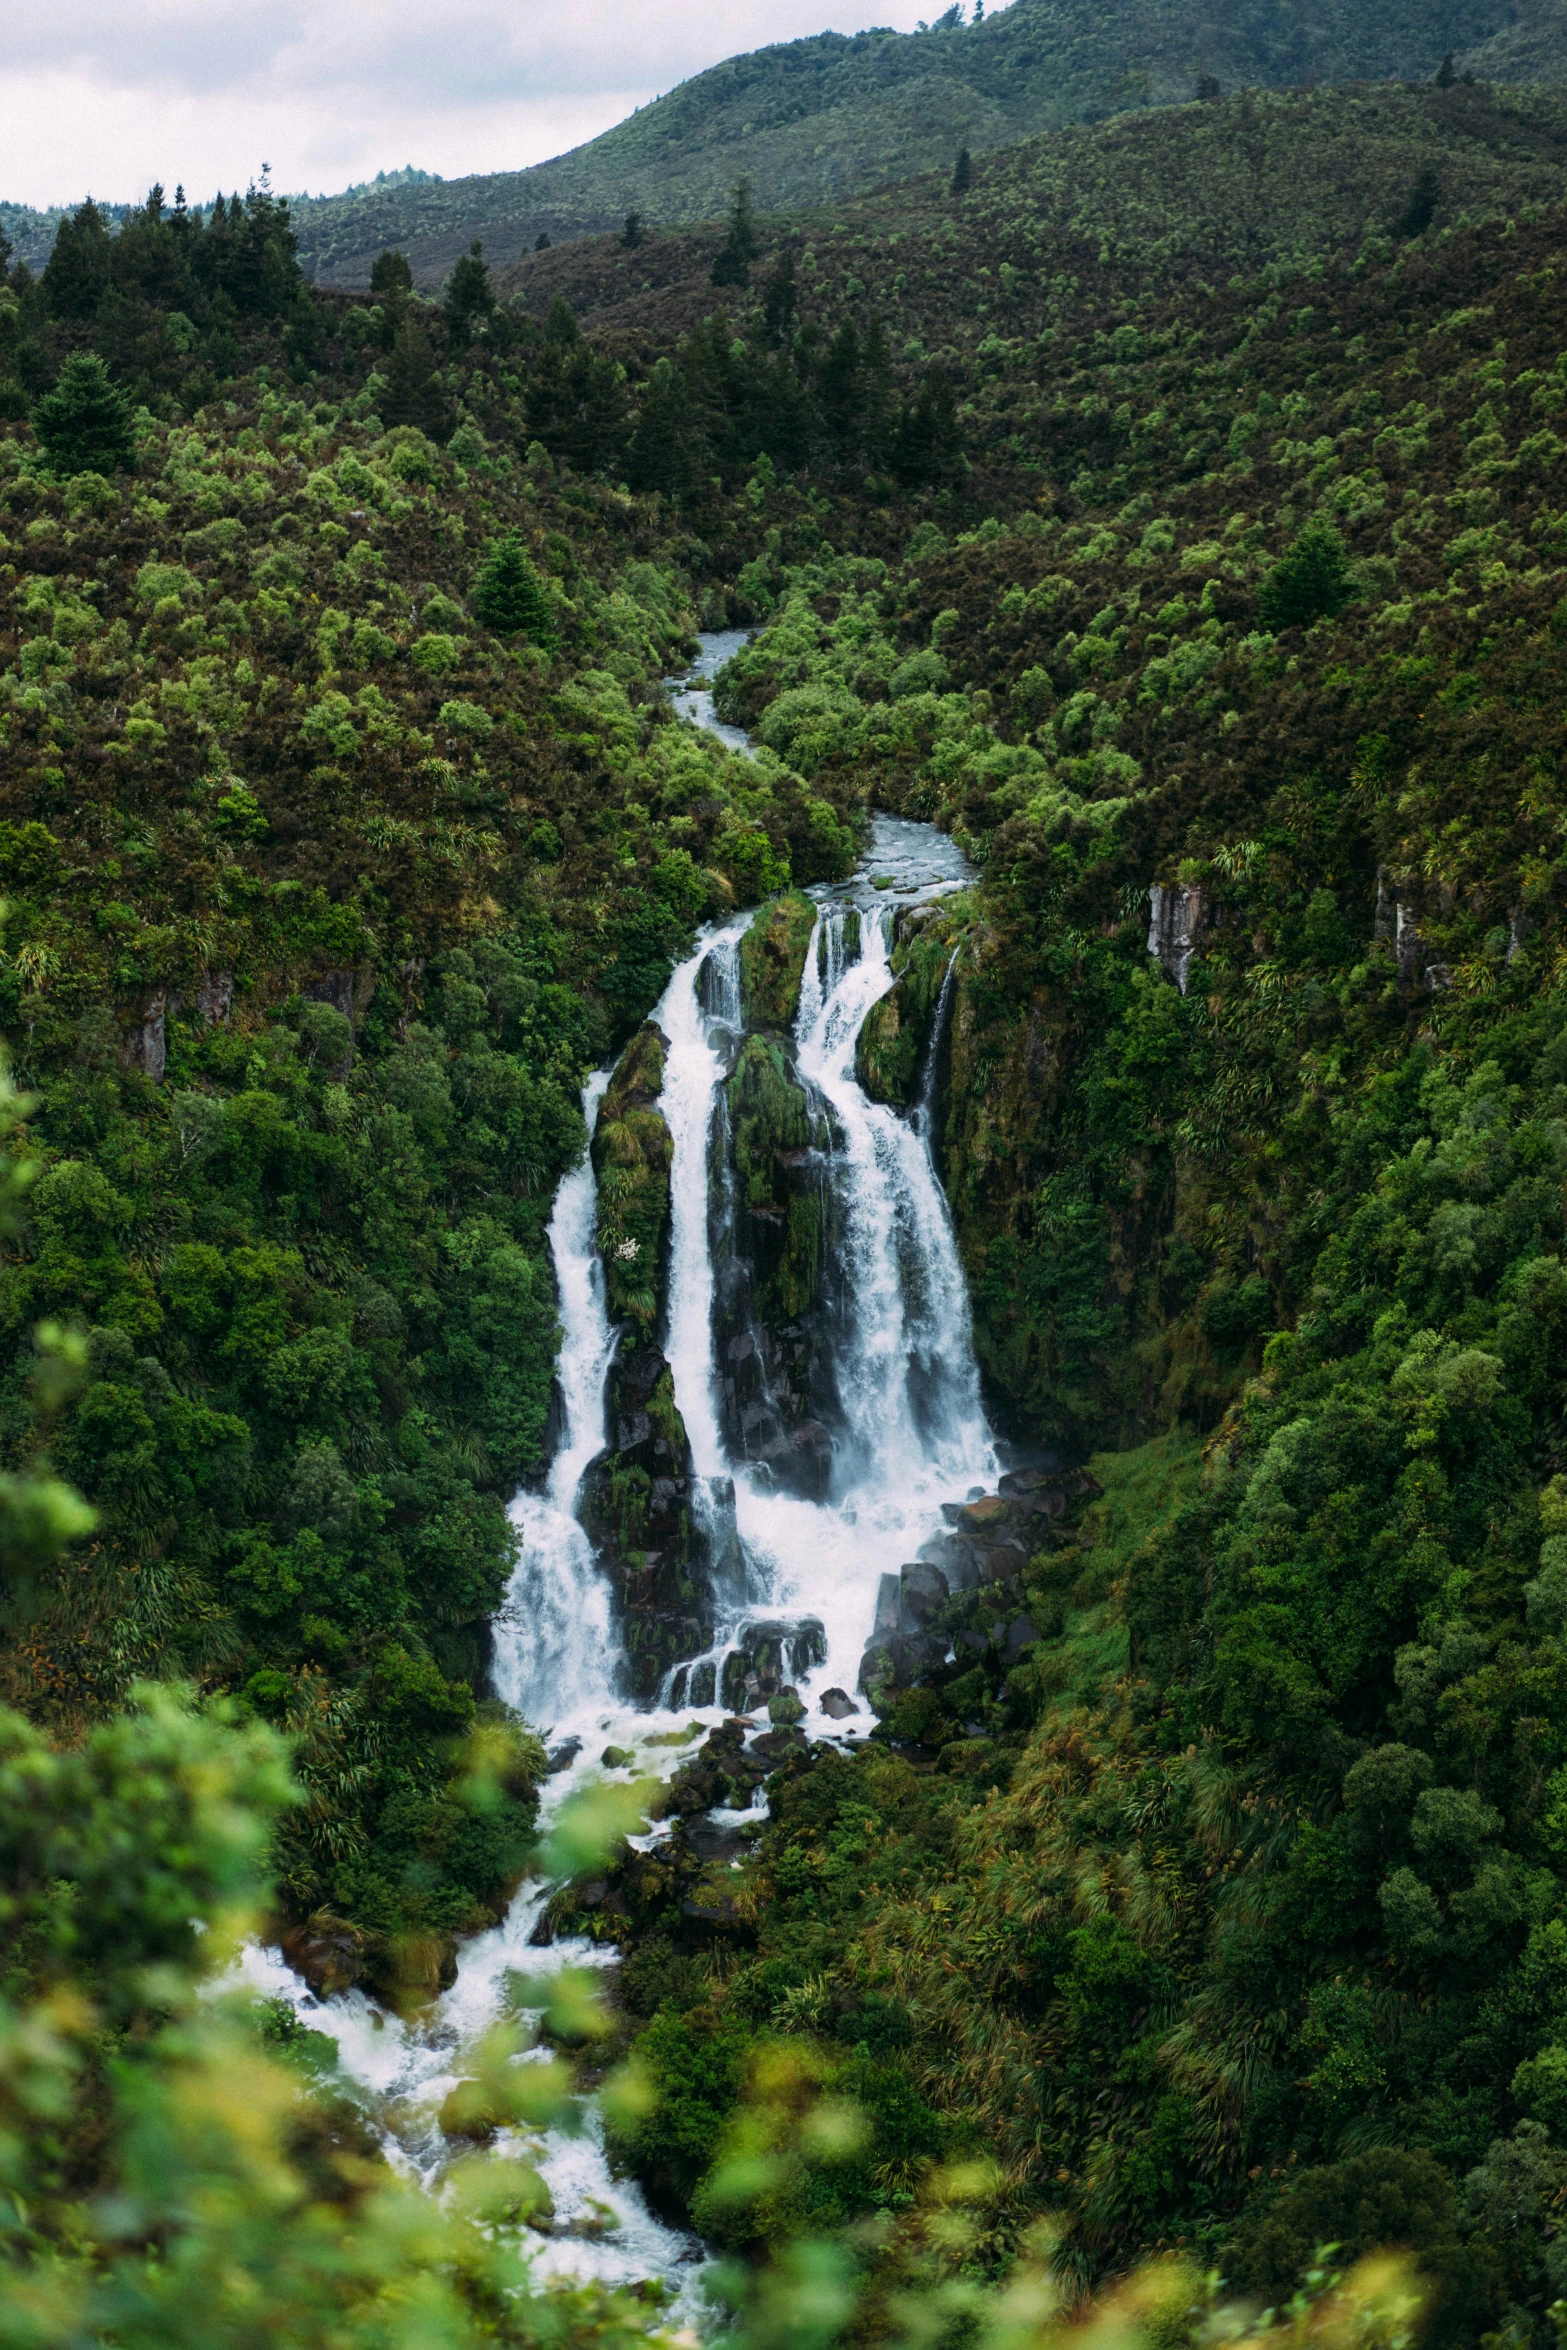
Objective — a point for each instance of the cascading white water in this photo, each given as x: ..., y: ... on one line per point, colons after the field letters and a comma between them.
x: 554, y: 1632
x: 917, y: 1439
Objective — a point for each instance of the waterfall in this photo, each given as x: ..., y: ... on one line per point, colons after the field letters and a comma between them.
x: 914, y: 1438
x: 553, y: 1633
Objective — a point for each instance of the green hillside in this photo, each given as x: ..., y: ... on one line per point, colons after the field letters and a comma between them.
x: 825, y: 117
x: 1140, y: 204
x: 1176, y: 510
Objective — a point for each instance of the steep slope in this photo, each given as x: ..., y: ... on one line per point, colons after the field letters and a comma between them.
x: 1127, y: 208
x: 823, y: 118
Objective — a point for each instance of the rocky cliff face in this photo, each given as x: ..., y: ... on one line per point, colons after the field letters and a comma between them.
x: 639, y: 1508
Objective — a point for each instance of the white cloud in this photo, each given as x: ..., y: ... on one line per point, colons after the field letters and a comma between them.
x: 204, y: 91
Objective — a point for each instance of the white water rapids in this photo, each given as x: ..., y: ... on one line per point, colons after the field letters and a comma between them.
x: 914, y: 1438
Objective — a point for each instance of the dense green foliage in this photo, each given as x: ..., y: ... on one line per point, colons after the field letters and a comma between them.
x: 1214, y: 1895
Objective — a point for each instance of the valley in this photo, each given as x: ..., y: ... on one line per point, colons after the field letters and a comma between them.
x: 783, y: 1285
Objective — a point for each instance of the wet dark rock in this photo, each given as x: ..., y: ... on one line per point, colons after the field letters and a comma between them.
x: 769, y: 1656
x: 1021, y: 1634
x: 785, y: 1708
x: 331, y: 1954
x: 837, y: 1705
x: 561, y: 1758
x: 889, y: 1593
x: 775, y: 1746
x: 617, y: 1758
x: 774, y: 1221
x: 720, y: 1773
x: 923, y: 1592
x: 639, y: 1511
x: 712, y: 1840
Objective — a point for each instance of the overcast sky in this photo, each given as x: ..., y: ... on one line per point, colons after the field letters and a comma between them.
x: 107, y: 95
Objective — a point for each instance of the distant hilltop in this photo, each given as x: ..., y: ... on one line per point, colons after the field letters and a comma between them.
x: 834, y: 115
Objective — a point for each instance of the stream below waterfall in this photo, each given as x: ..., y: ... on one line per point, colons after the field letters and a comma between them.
x: 913, y: 1438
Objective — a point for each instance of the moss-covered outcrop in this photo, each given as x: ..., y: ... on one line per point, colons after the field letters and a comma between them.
x: 772, y: 961
x: 632, y: 1151
x: 637, y: 1506
x: 889, y: 1056
x: 779, y: 1397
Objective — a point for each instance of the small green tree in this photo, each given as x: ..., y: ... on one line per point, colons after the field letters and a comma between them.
x: 469, y: 295
x: 413, y: 394
x: 633, y: 234
x: 1446, y: 72
x: 963, y: 173
x: 732, y: 265
x: 508, y: 595
x: 391, y: 277
x: 1309, y: 582
x: 84, y: 424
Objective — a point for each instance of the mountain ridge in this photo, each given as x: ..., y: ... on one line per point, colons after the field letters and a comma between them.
x: 834, y: 115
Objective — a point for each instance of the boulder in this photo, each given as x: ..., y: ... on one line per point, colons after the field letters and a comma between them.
x: 837, y: 1705
x: 923, y: 1592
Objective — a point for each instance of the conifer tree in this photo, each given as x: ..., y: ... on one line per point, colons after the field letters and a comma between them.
x: 633, y: 234
x: 1309, y: 582
x: 469, y: 296
x: 76, y: 275
x: 508, y: 595
x: 391, y: 277
x: 780, y: 301
x: 541, y: 243
x: 962, y: 173
x: 84, y: 424
x: 413, y: 394
x: 1446, y: 72
x: 732, y: 266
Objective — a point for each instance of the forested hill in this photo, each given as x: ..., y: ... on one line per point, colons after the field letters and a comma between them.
x: 1202, y: 1891
x: 822, y: 118
x: 810, y: 120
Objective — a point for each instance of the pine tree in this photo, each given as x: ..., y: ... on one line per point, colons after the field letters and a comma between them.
x: 732, y: 266
x: 76, y: 275
x: 468, y: 295
x: 1446, y: 72
x: 633, y: 234
x: 84, y: 424
x: 508, y: 595
x: 962, y: 173
x: 929, y: 442
x: 1310, y: 582
x: 413, y: 394
x: 541, y: 243
x: 391, y: 277
x: 1420, y: 211
x: 780, y: 301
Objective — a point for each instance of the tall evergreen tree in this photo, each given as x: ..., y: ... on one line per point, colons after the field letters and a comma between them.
x: 1311, y: 581
x: 508, y: 595
x: 963, y: 173
x: 77, y: 274
x: 732, y: 265
x: 84, y: 424
x: 929, y: 444
x: 391, y: 277
x: 413, y: 394
x: 780, y: 300
x: 469, y: 295
x: 633, y: 234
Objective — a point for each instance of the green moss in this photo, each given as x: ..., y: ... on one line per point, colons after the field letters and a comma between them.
x: 632, y: 1151
x: 772, y: 961
x: 890, y: 1052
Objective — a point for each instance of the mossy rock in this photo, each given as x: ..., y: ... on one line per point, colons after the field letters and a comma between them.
x: 890, y: 1052
x: 768, y: 1114
x: 772, y: 961
x: 632, y: 1151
